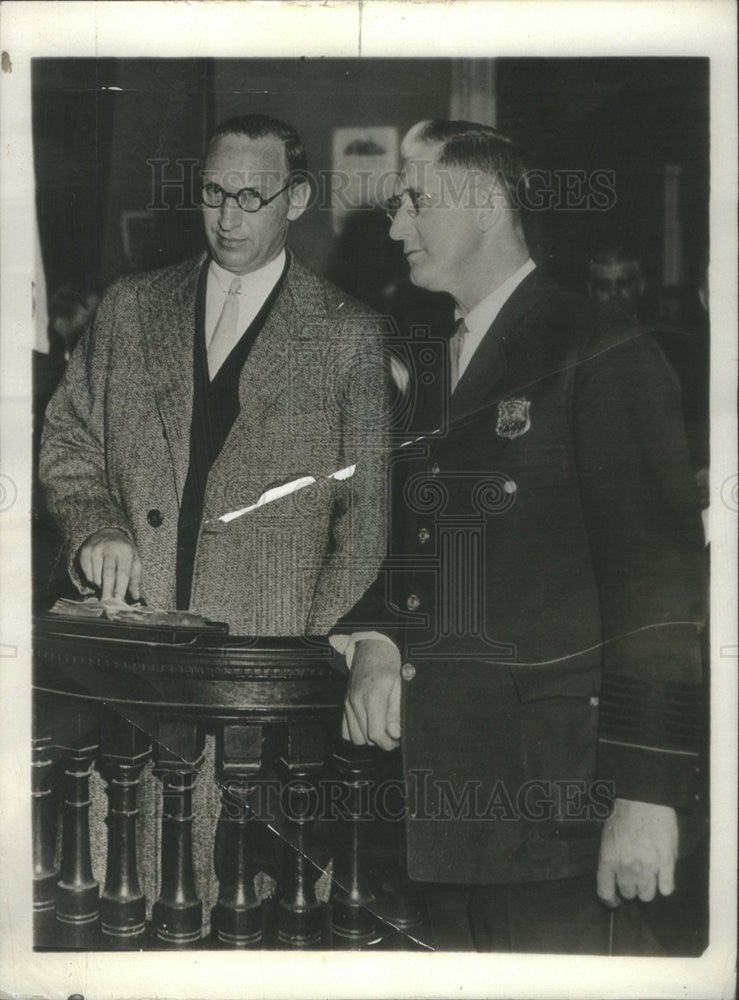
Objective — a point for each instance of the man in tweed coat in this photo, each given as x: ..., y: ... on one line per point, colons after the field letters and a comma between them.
x: 202, y: 386
x: 533, y: 643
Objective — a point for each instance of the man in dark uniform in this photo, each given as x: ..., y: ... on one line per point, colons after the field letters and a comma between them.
x: 533, y: 641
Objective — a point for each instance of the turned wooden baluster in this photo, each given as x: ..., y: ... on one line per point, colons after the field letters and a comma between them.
x: 401, y: 906
x: 77, y: 892
x: 177, y: 915
x: 352, y: 900
x: 236, y: 919
x: 300, y: 916
x: 403, y: 910
x: 125, y: 752
x: 43, y: 810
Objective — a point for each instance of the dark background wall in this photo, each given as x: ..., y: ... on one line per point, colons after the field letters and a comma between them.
x: 636, y: 117
x: 99, y: 125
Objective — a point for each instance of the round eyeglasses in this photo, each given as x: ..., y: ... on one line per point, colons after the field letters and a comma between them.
x: 417, y: 200
x: 247, y: 199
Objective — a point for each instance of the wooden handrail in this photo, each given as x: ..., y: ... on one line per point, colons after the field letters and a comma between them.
x: 119, y: 702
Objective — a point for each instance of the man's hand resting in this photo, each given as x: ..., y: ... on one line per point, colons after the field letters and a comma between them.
x: 109, y: 561
x: 372, y: 705
x: 638, y: 850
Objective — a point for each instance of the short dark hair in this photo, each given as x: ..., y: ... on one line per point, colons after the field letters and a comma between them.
x: 613, y: 248
x: 475, y: 146
x: 263, y: 127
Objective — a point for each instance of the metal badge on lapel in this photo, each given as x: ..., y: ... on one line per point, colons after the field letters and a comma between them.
x: 513, y: 418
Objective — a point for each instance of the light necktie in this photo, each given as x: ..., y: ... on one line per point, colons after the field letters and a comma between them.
x: 224, y: 335
x: 456, y: 342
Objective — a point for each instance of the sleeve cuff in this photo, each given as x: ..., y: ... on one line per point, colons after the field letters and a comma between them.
x: 344, y: 644
x: 648, y: 774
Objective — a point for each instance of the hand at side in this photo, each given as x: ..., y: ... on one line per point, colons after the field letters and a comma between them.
x: 638, y: 850
x: 372, y: 704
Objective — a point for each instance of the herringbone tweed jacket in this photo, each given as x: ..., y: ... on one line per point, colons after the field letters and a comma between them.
x: 312, y: 392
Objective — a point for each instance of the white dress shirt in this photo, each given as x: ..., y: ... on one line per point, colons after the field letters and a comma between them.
x: 255, y: 289
x: 478, y: 321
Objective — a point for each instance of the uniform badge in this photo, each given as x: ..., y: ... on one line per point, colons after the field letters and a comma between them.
x: 513, y: 418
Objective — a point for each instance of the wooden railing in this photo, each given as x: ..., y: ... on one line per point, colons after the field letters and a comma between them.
x: 270, y: 708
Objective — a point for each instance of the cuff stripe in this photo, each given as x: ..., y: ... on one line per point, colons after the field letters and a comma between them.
x: 641, y: 746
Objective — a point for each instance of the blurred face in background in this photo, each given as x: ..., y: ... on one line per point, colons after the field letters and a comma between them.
x: 618, y: 283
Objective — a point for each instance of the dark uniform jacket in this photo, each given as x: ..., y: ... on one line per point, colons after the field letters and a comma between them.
x: 545, y: 587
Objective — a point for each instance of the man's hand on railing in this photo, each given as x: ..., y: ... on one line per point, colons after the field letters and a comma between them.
x: 372, y: 705
x: 109, y: 561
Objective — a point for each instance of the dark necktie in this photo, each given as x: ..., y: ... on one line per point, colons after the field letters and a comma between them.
x: 456, y: 342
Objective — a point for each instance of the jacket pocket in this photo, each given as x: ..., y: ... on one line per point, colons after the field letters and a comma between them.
x: 558, y: 716
x: 578, y: 680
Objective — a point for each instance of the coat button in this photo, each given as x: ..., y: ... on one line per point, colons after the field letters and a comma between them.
x: 407, y: 671
x: 413, y: 602
x: 154, y: 517
x: 423, y: 535
x: 594, y: 701
x: 509, y: 486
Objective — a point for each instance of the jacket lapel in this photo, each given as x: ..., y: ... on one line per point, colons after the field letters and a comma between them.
x: 168, y: 310
x: 265, y: 377
x: 265, y: 381
x: 502, y: 357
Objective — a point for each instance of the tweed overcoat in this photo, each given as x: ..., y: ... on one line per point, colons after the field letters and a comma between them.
x: 545, y: 587
x: 312, y: 396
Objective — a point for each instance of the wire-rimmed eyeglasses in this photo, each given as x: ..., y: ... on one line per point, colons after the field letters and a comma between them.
x: 416, y: 201
x: 248, y: 199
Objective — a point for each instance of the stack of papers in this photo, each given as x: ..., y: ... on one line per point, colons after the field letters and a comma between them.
x: 113, y: 610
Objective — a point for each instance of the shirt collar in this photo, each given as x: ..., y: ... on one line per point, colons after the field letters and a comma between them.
x: 263, y: 279
x: 479, y: 320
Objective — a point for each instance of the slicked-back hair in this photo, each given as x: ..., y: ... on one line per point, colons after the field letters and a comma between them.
x: 614, y: 248
x: 263, y: 127
x: 474, y: 146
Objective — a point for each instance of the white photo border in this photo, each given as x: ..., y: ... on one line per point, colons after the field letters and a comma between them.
x: 404, y: 29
